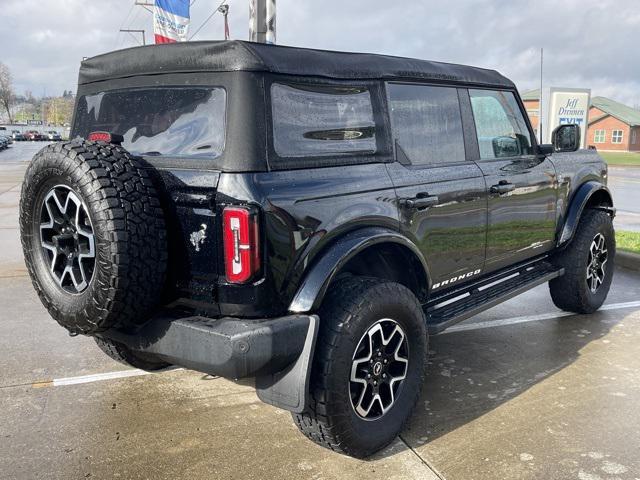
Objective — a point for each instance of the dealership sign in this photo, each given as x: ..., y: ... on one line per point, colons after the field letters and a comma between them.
x: 561, y: 106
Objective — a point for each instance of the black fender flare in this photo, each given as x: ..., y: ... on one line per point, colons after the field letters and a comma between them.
x: 577, y: 206
x: 314, y: 285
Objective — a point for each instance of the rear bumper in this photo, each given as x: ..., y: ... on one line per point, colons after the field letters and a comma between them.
x: 277, y: 352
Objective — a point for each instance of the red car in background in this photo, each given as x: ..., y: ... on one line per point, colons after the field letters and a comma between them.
x: 33, y: 135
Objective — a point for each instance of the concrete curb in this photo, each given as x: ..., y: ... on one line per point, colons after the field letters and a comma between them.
x: 628, y: 260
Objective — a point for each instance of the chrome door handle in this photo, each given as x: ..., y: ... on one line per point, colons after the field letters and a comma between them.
x: 419, y: 201
x: 502, y: 188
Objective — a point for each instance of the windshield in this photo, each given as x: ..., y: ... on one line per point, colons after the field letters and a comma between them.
x: 175, y: 121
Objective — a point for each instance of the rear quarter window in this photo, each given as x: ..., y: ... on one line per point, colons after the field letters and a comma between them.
x: 322, y: 121
x: 172, y: 121
x: 427, y: 124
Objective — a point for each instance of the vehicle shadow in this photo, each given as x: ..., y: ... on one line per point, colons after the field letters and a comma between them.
x: 471, y: 373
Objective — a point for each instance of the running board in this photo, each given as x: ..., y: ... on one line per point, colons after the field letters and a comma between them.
x: 463, y: 302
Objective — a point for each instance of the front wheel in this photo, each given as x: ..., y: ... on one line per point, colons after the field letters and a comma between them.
x: 588, y: 262
x: 368, y: 368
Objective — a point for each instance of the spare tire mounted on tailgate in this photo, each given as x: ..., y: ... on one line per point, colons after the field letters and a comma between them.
x: 93, y: 236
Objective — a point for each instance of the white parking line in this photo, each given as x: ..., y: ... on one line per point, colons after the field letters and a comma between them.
x: 98, y: 377
x: 531, y: 318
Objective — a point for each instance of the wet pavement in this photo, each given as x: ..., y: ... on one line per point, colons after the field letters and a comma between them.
x: 624, y: 183
x: 520, y: 391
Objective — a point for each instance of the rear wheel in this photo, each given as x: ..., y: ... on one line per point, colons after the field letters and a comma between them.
x: 588, y: 262
x: 121, y: 353
x: 368, y: 368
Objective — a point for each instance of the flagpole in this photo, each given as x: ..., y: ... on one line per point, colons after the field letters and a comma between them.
x: 262, y: 21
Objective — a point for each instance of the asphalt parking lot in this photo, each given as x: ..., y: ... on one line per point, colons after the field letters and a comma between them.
x: 624, y: 183
x: 521, y: 391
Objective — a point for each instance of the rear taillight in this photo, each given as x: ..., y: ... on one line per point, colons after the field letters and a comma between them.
x: 107, y: 137
x: 241, y: 243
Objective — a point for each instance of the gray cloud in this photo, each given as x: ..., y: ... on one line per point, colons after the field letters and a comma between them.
x: 588, y: 43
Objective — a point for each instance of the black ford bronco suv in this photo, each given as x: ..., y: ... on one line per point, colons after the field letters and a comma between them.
x: 305, y: 220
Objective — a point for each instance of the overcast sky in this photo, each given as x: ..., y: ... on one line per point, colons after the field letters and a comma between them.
x: 587, y: 43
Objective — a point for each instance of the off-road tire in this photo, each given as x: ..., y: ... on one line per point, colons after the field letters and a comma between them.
x: 122, y: 354
x: 570, y: 292
x: 128, y: 225
x: 352, y: 305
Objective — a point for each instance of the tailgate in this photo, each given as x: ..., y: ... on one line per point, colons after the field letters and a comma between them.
x: 188, y: 200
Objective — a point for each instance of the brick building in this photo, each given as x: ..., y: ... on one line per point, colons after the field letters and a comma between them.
x: 613, y: 126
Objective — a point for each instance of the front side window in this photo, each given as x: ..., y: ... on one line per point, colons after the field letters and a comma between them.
x: 175, y: 121
x: 616, y: 136
x: 427, y: 125
x: 599, y: 136
x: 320, y: 120
x: 501, y: 127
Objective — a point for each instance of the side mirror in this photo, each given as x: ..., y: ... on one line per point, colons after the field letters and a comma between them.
x: 545, y: 149
x: 566, y: 138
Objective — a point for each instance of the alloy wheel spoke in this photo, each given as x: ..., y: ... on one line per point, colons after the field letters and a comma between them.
x: 598, y: 257
x: 379, y: 366
x: 67, y: 239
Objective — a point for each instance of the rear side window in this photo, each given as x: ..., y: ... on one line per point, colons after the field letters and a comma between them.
x: 427, y: 125
x: 500, y: 125
x: 316, y: 121
x: 182, y: 122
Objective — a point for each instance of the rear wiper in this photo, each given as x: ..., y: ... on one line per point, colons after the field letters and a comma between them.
x: 151, y: 153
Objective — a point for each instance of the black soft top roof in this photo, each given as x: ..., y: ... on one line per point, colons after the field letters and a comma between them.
x: 236, y: 55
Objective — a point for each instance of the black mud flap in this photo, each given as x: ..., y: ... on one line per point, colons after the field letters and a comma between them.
x: 289, y: 388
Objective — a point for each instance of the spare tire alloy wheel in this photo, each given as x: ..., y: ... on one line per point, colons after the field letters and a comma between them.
x: 66, y: 235
x: 94, y: 236
x: 379, y: 367
x: 598, y: 256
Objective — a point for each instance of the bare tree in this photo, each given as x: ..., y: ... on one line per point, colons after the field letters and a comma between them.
x: 6, y: 90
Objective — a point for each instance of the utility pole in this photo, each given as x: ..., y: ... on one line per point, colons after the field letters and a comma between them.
x: 146, y: 5
x: 130, y: 32
x: 262, y: 21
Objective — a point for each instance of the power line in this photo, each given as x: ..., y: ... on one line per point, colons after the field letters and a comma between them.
x: 208, y: 18
x: 133, y: 20
x: 131, y: 32
x: 123, y: 22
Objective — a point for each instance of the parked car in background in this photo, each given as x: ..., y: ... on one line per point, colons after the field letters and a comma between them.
x: 4, y: 142
x: 17, y: 135
x: 32, y: 135
x: 29, y: 135
x: 53, y: 136
x: 8, y: 138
